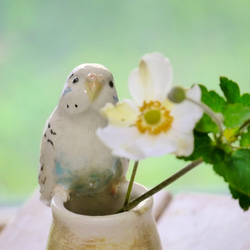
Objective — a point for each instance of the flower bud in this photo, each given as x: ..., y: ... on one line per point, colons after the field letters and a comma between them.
x: 177, y: 95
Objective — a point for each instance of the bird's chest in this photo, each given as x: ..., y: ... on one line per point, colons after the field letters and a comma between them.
x: 78, y: 147
x: 81, y: 160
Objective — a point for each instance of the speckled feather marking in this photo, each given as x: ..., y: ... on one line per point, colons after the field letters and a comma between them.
x: 45, y: 167
x: 50, y: 140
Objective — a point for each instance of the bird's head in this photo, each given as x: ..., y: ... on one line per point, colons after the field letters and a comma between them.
x: 88, y: 85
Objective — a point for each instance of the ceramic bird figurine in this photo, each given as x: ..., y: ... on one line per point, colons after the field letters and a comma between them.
x: 72, y: 157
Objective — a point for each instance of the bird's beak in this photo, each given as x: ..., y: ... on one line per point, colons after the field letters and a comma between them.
x: 93, y: 85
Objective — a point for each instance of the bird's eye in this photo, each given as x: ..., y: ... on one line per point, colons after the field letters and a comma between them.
x: 75, y: 80
x: 111, y: 84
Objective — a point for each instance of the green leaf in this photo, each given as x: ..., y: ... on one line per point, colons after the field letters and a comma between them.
x: 245, y: 138
x: 235, y: 168
x: 203, y: 147
x: 206, y: 125
x: 218, y: 160
x: 244, y: 200
x: 212, y: 99
x: 239, y: 171
x: 230, y: 89
x: 245, y: 100
x: 235, y: 115
x: 216, y: 103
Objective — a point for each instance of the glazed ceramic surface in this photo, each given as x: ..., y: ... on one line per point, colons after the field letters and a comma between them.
x: 135, y: 229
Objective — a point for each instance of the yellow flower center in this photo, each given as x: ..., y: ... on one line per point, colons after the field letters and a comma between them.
x: 154, y: 118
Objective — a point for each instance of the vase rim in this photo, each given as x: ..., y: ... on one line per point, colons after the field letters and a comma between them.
x: 59, y: 209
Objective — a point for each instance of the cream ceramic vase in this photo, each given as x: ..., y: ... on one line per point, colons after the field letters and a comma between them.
x: 135, y: 229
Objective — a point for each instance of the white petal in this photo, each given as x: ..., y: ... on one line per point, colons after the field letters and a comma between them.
x: 123, y: 114
x: 171, y: 142
x: 194, y: 93
x: 131, y: 151
x: 187, y: 114
x: 152, y: 80
x: 129, y: 143
x: 184, y: 142
x: 151, y: 145
x: 114, y: 137
x: 120, y: 140
x: 146, y: 146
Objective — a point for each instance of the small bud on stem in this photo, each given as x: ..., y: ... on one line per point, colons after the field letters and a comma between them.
x: 177, y: 95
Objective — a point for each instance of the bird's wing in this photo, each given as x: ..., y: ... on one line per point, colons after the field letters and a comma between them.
x: 47, y: 163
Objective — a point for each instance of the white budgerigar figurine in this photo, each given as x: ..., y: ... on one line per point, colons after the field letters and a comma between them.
x: 72, y: 157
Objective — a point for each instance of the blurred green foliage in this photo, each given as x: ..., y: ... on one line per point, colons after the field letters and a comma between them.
x: 42, y: 41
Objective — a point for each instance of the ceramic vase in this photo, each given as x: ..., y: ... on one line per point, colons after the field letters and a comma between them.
x: 81, y: 228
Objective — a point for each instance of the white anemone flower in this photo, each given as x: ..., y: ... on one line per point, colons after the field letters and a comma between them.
x: 151, y: 125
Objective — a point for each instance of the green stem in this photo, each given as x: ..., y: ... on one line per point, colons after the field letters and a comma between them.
x: 131, y: 182
x: 160, y: 186
x: 210, y: 112
x: 245, y: 124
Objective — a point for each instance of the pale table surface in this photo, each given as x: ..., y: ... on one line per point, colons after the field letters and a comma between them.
x: 187, y: 221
